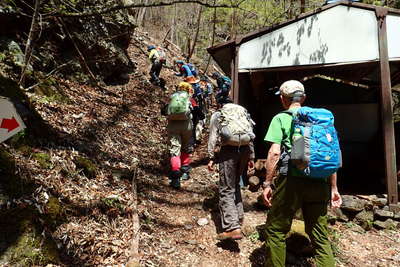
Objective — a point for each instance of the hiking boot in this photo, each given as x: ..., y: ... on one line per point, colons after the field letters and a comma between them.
x: 175, y: 177
x: 185, y: 172
x: 175, y: 183
x: 234, y: 235
x: 185, y: 176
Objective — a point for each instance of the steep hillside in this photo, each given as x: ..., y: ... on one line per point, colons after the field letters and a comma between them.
x: 77, y: 181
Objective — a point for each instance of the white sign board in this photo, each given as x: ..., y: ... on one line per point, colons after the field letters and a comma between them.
x: 340, y: 34
x: 10, y: 122
x: 393, y: 36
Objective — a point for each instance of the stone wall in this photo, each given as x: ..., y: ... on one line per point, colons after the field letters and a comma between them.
x: 368, y: 211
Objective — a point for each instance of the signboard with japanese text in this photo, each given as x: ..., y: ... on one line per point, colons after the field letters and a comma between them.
x: 10, y: 122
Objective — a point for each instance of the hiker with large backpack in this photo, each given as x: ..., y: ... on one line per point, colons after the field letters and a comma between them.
x: 180, y: 130
x: 232, y: 127
x: 305, y: 151
x: 157, y: 59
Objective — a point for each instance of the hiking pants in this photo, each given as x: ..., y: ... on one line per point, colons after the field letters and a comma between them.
x: 155, y: 71
x: 232, y: 162
x: 179, y: 134
x: 291, y: 194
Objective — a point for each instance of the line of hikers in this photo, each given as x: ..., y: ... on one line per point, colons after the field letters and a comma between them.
x: 302, y: 162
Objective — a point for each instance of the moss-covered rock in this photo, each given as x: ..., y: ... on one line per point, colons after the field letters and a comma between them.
x: 22, y: 242
x: 50, y: 89
x: 9, y: 88
x: 12, y: 185
x: 87, y: 166
x: 12, y: 52
x: 53, y: 208
x: 55, y: 213
x: 7, y: 163
x: 43, y: 159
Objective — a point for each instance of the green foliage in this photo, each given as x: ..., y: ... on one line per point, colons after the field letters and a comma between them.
x: 374, y: 2
x: 334, y: 237
x: 113, y: 202
x: 254, y: 237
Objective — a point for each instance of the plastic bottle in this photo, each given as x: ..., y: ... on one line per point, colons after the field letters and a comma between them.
x: 296, y: 134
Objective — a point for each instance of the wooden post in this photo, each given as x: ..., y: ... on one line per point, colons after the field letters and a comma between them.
x: 386, y: 108
x: 235, y: 74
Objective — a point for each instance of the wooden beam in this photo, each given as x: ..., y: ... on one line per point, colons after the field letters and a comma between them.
x: 386, y: 108
x: 235, y: 74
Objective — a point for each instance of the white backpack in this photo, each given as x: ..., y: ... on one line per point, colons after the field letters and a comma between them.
x: 236, y: 125
x: 162, y: 57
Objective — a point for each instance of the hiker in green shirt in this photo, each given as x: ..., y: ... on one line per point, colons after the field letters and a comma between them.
x: 290, y: 192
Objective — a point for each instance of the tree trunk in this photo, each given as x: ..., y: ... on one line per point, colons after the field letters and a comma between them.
x: 173, y: 24
x: 188, y: 48
x: 196, y: 34
x: 302, y: 6
x: 141, y: 14
x: 213, y: 37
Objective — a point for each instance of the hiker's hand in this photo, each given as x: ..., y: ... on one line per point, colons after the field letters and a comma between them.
x: 267, y: 196
x: 250, y: 165
x: 336, y: 199
x: 210, y: 165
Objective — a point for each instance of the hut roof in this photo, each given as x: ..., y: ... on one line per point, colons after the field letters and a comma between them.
x: 336, y: 34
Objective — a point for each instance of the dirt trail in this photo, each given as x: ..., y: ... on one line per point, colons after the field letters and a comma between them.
x: 171, y: 236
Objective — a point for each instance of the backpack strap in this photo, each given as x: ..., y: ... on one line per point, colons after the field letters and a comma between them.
x: 290, y: 112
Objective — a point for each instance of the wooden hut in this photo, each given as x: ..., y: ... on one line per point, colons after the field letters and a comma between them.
x: 348, y: 56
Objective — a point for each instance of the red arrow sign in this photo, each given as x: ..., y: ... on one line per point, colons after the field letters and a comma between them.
x: 9, y: 124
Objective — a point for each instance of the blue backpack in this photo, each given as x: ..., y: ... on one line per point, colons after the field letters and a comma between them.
x: 192, y: 69
x: 315, y: 145
x: 227, y: 81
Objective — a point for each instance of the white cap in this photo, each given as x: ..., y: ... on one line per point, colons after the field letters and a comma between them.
x: 291, y: 88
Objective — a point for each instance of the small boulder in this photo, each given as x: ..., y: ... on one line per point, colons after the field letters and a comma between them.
x: 254, y: 183
x: 352, y: 203
x: 380, y: 202
x: 388, y: 224
x: 396, y: 216
x: 383, y: 214
x: 202, y: 221
x: 364, y: 219
x: 337, y: 215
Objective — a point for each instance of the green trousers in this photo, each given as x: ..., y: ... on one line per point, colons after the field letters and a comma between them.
x: 291, y: 194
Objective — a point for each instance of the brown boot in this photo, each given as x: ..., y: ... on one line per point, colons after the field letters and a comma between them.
x: 234, y: 235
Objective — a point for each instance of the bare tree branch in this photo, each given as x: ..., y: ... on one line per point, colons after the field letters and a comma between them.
x: 137, y: 5
x: 82, y: 60
x: 29, y: 42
